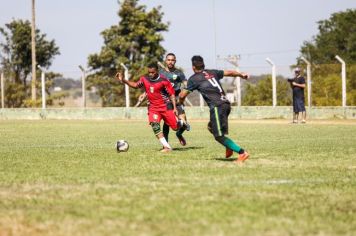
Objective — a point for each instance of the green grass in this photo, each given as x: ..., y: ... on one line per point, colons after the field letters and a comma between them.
x: 66, y: 178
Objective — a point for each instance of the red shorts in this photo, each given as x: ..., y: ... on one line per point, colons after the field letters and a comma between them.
x: 168, y: 117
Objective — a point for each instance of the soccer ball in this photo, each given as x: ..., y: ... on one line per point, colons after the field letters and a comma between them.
x: 122, y: 146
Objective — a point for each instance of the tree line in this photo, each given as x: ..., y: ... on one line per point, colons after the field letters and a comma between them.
x: 137, y: 41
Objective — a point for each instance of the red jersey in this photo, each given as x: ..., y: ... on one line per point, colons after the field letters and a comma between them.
x: 158, y: 92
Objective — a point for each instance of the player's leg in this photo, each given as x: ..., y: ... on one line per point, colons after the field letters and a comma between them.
x: 185, y: 126
x: 155, y: 119
x: 170, y: 119
x: 219, y: 126
x: 182, y: 116
x: 165, y: 131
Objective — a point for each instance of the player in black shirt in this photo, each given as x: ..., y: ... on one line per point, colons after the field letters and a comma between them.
x: 177, y: 78
x: 208, y: 84
x: 298, y: 85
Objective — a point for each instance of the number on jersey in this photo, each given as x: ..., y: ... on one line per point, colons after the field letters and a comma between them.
x: 215, y: 83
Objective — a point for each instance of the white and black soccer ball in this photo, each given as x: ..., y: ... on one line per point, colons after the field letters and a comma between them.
x: 122, y: 146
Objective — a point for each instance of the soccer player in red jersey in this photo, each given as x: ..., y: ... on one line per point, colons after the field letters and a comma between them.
x: 161, y: 101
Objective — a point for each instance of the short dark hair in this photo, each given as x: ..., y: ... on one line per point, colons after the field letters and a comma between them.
x: 198, y: 62
x: 153, y: 65
x: 171, y: 54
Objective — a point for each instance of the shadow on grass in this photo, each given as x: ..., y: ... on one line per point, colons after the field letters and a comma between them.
x: 183, y: 149
x: 224, y: 159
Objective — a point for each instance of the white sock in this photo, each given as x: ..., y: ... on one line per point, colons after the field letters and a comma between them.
x: 165, y: 143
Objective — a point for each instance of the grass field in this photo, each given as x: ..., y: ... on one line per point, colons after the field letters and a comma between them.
x: 66, y: 178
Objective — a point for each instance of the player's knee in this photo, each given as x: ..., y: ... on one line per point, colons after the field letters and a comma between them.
x: 220, y: 139
x: 156, y: 128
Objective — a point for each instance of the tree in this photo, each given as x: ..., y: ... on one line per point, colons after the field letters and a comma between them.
x: 337, y: 36
x: 16, y: 59
x: 135, y: 41
x: 260, y: 92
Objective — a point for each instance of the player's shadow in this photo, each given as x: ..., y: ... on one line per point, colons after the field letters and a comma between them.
x: 224, y: 159
x: 183, y: 149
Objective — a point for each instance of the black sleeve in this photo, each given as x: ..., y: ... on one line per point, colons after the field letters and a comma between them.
x: 219, y: 74
x: 191, y: 86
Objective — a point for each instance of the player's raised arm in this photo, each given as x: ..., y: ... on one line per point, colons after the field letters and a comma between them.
x: 234, y: 73
x: 119, y: 76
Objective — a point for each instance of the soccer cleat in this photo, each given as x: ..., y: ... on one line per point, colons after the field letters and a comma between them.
x: 228, y: 152
x: 242, y: 157
x: 181, y: 140
x: 187, y: 126
x: 303, y: 121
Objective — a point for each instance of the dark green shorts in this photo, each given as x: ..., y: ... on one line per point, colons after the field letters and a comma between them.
x: 218, y: 124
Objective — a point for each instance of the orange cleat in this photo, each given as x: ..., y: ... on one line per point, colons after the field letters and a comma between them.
x: 242, y: 157
x: 228, y: 152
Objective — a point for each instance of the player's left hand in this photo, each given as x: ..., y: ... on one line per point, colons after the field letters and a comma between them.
x: 175, y: 111
x: 119, y: 76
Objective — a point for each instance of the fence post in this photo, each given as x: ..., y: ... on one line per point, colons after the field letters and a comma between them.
x: 84, y: 104
x: 308, y: 80
x: 43, y: 86
x: 274, y: 89
x: 127, y: 92
x: 343, y: 79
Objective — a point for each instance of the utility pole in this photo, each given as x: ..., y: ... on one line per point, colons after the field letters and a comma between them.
x: 33, y: 53
x: 234, y: 60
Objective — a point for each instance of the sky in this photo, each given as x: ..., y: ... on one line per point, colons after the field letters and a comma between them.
x: 214, y: 29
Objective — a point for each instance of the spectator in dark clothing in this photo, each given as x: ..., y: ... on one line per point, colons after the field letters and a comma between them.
x: 298, y: 85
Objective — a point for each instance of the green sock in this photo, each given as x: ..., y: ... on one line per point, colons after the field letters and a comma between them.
x: 231, y: 144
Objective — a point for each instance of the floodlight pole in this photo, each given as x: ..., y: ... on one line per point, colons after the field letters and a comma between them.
x: 43, y: 86
x: 343, y: 79
x: 33, y: 52
x: 127, y: 92
x: 308, y: 79
x: 274, y: 90
x: 83, y: 86
x: 2, y: 90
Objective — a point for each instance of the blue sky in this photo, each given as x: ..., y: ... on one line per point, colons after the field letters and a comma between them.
x: 254, y: 29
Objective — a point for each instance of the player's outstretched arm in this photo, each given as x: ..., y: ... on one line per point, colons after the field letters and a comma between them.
x: 120, y: 77
x: 234, y: 73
